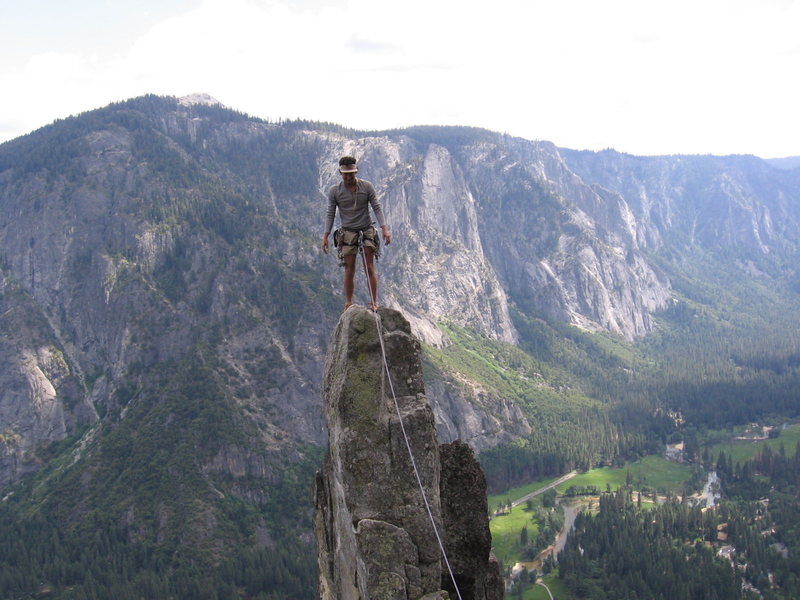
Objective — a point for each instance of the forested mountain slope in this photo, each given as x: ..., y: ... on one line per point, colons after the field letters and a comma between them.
x: 165, y: 311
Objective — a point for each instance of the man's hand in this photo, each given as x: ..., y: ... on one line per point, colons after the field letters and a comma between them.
x: 387, y: 237
x: 325, y: 243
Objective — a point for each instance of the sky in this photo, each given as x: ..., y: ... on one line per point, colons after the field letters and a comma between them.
x: 646, y: 77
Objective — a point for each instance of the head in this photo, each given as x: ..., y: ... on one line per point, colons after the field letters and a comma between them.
x: 348, y: 168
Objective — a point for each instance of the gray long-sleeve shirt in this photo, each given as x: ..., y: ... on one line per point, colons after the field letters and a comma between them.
x: 353, y: 207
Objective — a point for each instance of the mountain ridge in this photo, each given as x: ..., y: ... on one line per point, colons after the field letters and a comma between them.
x: 165, y: 308
x: 594, y: 272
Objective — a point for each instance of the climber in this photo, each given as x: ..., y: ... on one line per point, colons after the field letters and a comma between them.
x: 353, y: 197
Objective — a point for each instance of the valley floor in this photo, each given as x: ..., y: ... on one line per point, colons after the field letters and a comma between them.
x: 648, y: 482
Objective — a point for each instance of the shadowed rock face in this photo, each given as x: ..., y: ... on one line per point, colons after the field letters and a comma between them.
x: 374, y: 533
x: 467, y: 538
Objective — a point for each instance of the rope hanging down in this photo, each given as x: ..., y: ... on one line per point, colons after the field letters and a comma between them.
x: 403, y: 428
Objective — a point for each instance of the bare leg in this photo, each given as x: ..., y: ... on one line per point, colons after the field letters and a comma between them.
x: 349, y: 277
x: 369, y: 256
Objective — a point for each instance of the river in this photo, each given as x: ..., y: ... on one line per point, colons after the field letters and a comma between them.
x: 570, y: 512
x: 711, y: 489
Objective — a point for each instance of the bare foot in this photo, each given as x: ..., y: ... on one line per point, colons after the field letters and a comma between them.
x: 374, y: 307
x: 348, y: 305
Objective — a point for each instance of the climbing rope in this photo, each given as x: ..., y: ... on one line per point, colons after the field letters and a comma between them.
x: 402, y: 426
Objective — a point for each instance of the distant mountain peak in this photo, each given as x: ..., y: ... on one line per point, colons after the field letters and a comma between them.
x: 200, y: 98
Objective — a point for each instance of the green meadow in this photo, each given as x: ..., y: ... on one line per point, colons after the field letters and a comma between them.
x: 506, y: 530
x: 744, y: 450
x: 654, y: 472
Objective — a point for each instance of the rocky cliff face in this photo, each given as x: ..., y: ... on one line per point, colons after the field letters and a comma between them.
x: 439, y: 268
x: 561, y: 247
x: 42, y: 400
x: 735, y: 205
x: 484, y: 223
x: 374, y: 533
x: 151, y: 242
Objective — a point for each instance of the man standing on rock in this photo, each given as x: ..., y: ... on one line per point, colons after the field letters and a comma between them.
x: 353, y: 197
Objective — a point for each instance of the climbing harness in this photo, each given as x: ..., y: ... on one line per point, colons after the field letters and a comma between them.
x: 345, y: 238
x: 403, y: 428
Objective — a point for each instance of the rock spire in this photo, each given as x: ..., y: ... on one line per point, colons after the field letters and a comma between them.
x: 374, y: 534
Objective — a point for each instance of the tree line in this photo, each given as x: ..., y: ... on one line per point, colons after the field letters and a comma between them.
x: 682, y: 551
x: 625, y: 553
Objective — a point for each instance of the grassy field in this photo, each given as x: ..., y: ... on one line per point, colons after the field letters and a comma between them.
x: 743, y: 450
x: 654, y: 472
x: 506, y: 531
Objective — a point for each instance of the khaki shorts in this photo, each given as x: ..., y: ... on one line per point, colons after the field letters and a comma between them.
x: 347, y: 242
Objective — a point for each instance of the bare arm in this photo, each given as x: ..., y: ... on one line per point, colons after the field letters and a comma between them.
x: 329, y: 217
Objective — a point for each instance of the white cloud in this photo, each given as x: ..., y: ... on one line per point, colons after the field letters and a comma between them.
x: 50, y: 85
x: 643, y: 77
